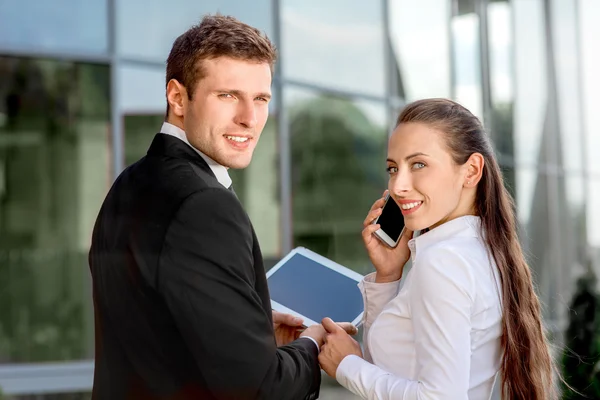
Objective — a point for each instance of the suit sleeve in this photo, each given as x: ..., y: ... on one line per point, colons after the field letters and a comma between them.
x: 207, y: 279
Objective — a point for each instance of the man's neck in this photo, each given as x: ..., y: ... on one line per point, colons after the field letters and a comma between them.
x: 178, y: 122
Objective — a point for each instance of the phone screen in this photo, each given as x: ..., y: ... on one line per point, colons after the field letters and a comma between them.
x: 391, y: 220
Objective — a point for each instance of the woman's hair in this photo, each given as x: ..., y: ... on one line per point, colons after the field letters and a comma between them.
x: 527, y: 366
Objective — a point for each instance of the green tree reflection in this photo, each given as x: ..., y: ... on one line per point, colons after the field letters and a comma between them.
x: 338, y: 171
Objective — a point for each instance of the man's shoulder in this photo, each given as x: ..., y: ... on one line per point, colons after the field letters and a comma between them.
x: 168, y: 176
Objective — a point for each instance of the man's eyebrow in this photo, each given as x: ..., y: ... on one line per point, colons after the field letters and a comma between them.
x: 240, y: 93
x: 265, y: 95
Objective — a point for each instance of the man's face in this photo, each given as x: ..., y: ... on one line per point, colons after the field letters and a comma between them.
x: 228, y: 110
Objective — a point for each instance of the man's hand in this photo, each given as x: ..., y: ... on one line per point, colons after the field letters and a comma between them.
x: 318, y: 332
x: 287, y: 327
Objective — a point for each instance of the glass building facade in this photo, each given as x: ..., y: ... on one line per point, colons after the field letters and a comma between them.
x: 82, y: 93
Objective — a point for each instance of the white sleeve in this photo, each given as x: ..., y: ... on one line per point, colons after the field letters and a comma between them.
x: 441, y: 295
x: 312, y: 340
x: 375, y: 297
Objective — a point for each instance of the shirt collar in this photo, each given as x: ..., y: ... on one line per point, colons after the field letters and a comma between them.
x: 465, y: 226
x: 219, y: 170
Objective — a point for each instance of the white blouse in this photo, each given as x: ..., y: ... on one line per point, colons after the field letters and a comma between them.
x: 437, y: 336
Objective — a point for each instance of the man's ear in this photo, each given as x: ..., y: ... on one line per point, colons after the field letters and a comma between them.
x: 176, y: 97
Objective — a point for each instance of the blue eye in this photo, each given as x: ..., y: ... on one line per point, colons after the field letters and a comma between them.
x: 418, y: 165
x: 391, y: 170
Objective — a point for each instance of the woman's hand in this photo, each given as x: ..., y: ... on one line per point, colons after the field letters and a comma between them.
x: 388, y: 262
x: 338, y: 345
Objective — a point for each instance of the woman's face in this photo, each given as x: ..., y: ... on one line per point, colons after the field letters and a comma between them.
x: 427, y: 184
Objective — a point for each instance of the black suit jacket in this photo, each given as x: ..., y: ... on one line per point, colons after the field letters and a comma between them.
x: 182, y: 307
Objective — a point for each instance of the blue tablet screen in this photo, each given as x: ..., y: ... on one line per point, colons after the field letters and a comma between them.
x: 315, y: 291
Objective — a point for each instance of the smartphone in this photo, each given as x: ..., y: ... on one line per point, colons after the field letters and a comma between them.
x: 391, y: 223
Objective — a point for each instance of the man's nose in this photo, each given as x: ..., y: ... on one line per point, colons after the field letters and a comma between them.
x: 246, y: 115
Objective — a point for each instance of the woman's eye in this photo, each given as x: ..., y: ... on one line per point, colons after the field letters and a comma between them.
x: 391, y: 170
x: 418, y: 165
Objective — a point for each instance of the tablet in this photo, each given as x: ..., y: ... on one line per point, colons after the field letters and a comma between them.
x: 312, y: 287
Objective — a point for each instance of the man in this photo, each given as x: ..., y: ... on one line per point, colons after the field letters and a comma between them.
x: 182, y: 306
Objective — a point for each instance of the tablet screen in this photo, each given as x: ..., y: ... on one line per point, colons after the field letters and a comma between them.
x: 315, y: 291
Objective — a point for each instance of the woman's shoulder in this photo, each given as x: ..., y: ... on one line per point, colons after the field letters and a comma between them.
x: 453, y: 262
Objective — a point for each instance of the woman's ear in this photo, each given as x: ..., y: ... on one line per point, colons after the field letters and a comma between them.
x: 474, y: 170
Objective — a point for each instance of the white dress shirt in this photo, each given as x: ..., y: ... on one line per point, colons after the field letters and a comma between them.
x: 437, y: 336
x: 219, y: 170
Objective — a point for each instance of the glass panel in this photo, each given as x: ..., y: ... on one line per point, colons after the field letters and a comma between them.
x: 531, y: 94
x: 467, y: 63
x: 257, y: 187
x: 567, y: 62
x: 138, y: 134
x: 572, y: 245
x: 141, y: 89
x: 536, y: 236
x: 147, y: 28
x: 552, y: 217
x: 49, y: 25
x: 54, y: 174
x: 53, y: 396
x: 593, y: 221
x: 338, y: 171
x: 338, y: 44
x: 421, y: 48
x: 589, y: 14
x: 501, y: 80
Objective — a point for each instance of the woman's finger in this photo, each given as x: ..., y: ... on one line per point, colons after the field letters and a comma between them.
x: 367, y: 233
x: 371, y: 216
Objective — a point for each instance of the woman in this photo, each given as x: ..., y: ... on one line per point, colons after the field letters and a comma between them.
x: 467, y: 308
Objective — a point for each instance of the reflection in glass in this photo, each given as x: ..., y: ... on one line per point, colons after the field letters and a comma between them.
x: 537, y: 234
x: 502, y: 81
x: 589, y: 32
x: 338, y: 171
x: 147, y: 28
x: 566, y: 58
x: 531, y: 91
x: 141, y: 89
x: 593, y: 221
x: 572, y: 243
x: 257, y: 187
x: 49, y: 25
x: 467, y: 62
x: 551, y: 213
x: 54, y: 396
x: 420, y: 47
x: 54, y: 173
x: 139, y: 131
x: 337, y: 44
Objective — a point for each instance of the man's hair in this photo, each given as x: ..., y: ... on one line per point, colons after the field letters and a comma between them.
x: 215, y: 36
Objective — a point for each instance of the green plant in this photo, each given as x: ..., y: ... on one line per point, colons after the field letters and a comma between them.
x: 581, y: 359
